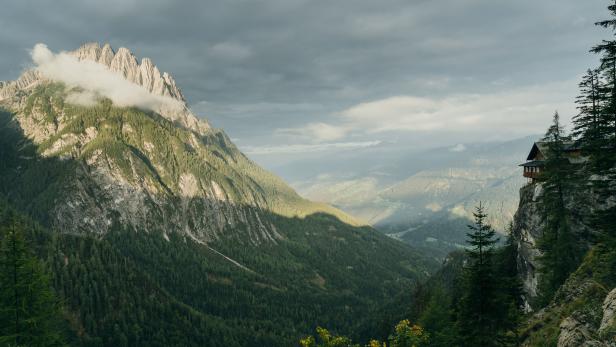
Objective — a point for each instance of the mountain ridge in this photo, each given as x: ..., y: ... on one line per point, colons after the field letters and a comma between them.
x: 427, y: 198
x: 217, y: 237
x: 124, y: 62
x: 142, y: 167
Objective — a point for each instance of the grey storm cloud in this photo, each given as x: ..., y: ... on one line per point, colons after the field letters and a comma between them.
x: 286, y: 50
x: 265, y: 69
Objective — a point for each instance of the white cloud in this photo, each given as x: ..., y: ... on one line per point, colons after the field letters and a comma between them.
x: 84, y: 98
x: 458, y: 148
x: 511, y: 113
x: 315, y: 132
x: 96, y: 80
x: 396, y: 113
x: 307, y: 148
x: 434, y: 207
x: 462, y: 117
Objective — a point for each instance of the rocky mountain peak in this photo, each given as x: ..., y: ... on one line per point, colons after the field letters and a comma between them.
x: 124, y: 62
x: 152, y: 174
x: 28, y: 79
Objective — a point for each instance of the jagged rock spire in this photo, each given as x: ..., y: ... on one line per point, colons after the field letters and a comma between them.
x: 124, y: 62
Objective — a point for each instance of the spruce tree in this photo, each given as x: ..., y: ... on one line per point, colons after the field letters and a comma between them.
x: 560, y: 250
x: 479, y: 301
x: 603, y: 160
x: 28, y: 309
x: 438, y: 318
x: 606, y: 120
x: 590, y: 105
x: 509, y: 290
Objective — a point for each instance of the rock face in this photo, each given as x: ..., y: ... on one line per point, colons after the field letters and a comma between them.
x: 607, y: 329
x: 118, y: 167
x: 27, y: 80
x: 576, y: 330
x: 527, y: 229
x: 583, y: 309
x: 575, y: 334
x: 125, y: 63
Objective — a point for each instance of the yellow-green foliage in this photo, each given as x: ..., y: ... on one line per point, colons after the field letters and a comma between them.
x: 47, y: 100
x: 146, y: 146
x: 405, y: 335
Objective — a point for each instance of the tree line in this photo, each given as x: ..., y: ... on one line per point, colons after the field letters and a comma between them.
x: 478, y: 302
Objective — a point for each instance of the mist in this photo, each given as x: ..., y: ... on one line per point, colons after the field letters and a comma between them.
x: 96, y: 81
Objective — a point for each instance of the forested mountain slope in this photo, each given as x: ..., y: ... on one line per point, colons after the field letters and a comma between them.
x: 157, y: 229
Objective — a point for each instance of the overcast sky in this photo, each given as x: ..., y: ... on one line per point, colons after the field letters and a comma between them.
x: 295, y: 77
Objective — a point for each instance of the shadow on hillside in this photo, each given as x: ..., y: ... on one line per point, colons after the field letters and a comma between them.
x: 37, y: 185
x: 30, y: 183
x: 322, y: 270
x: 33, y: 183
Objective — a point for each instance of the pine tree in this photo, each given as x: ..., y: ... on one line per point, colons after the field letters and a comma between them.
x: 438, y: 318
x: 605, y: 160
x: 561, y: 253
x: 479, y: 301
x: 28, y: 309
x: 606, y: 120
x: 509, y: 291
x: 590, y: 105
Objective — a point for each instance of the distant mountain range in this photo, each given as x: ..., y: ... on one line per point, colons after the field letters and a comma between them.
x: 426, y: 198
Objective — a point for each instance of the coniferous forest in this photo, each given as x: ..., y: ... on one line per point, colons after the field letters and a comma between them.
x: 273, y: 269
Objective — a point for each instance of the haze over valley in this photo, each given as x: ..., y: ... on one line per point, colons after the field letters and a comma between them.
x: 317, y: 174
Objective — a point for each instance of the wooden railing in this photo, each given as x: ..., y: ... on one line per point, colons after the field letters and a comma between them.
x: 533, y: 175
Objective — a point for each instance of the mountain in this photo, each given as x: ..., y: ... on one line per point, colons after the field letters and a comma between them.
x: 582, y: 312
x: 426, y: 198
x: 146, y: 210
x: 166, y: 166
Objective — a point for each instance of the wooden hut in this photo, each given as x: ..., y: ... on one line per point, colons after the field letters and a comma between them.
x: 535, y: 160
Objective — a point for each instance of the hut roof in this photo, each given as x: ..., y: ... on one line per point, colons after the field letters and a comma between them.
x: 542, y: 146
x: 533, y: 163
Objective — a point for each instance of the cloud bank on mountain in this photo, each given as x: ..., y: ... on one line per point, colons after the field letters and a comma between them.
x: 93, y: 81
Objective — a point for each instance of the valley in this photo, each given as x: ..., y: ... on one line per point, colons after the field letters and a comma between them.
x: 391, y: 174
x: 214, y: 238
x: 425, y: 198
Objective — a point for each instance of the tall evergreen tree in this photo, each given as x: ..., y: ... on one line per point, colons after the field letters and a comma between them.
x: 479, y: 301
x: 561, y: 253
x: 29, y: 311
x: 590, y: 105
x: 509, y: 290
x: 438, y: 318
x: 604, y: 159
x: 606, y: 120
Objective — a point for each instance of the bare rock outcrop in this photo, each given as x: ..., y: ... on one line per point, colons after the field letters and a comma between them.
x: 28, y: 80
x: 527, y: 230
x: 124, y: 63
x: 575, y: 334
x: 607, y: 329
x: 577, y: 331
